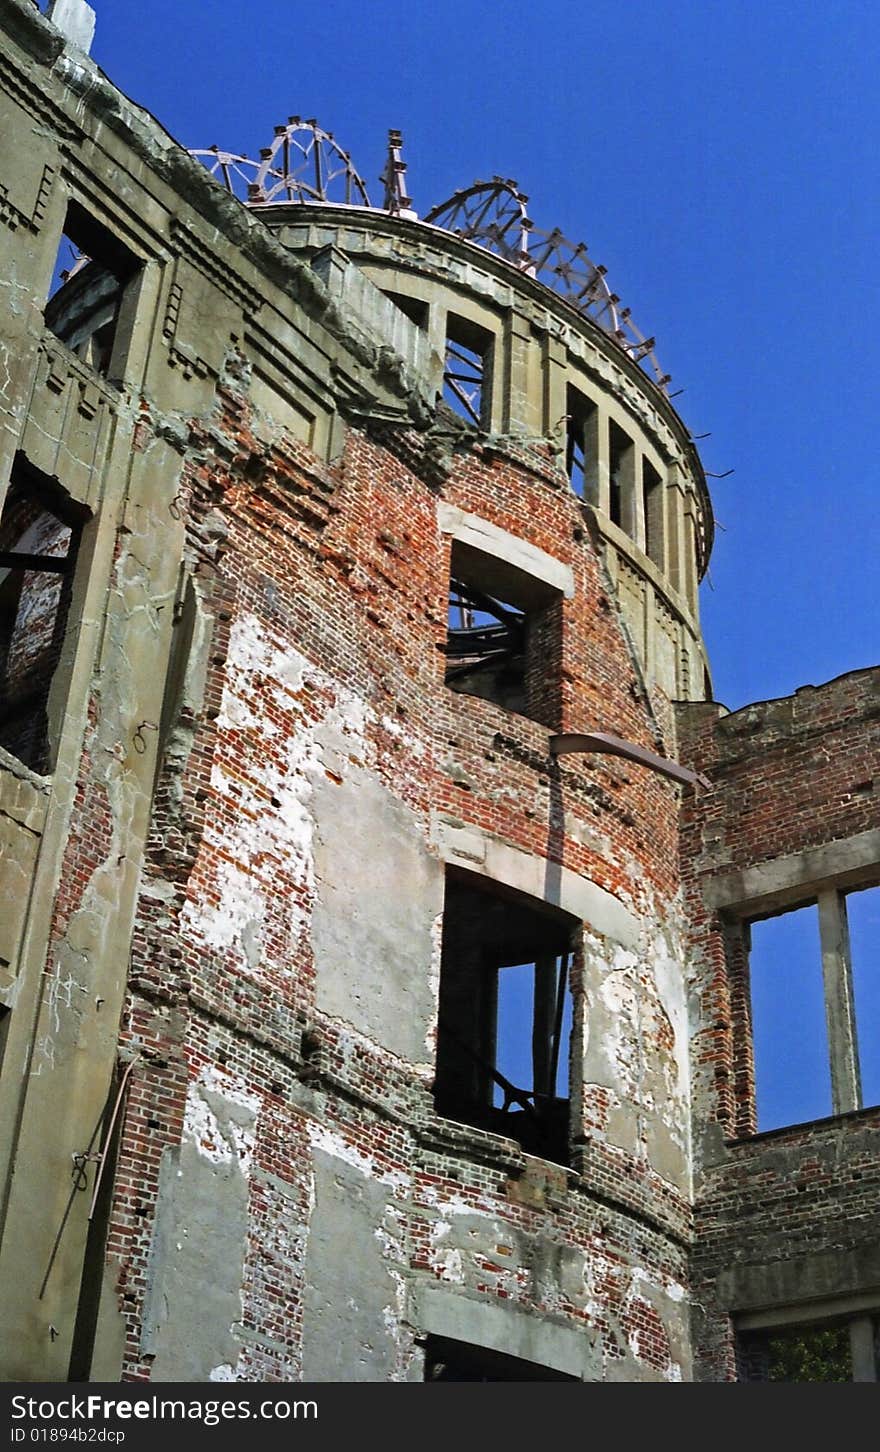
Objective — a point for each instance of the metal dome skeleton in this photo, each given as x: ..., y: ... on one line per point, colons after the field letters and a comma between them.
x: 305, y: 164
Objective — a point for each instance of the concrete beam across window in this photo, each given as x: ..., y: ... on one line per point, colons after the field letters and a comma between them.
x: 529, y: 561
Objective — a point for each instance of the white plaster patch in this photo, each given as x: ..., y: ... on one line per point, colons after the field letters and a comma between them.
x: 271, y: 820
x: 434, y: 983
x: 447, y: 1265
x: 221, y: 1144
x: 391, y: 1235
x: 323, y: 1138
x: 239, y: 910
x: 454, y: 1205
x: 222, y: 1373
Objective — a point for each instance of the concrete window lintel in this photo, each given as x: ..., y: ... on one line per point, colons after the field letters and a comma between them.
x: 506, y: 1328
x: 797, y: 878
x: 479, y: 534
x: 475, y: 850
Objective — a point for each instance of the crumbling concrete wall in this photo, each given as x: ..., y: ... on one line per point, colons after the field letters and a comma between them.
x: 236, y: 899
x: 291, y: 908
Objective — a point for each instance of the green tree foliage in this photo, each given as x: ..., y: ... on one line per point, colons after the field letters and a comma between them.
x: 810, y: 1355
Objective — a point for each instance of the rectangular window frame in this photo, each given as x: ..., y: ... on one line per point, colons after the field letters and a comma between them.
x: 103, y: 348
x: 467, y: 1073
x: 53, y: 689
x: 829, y: 890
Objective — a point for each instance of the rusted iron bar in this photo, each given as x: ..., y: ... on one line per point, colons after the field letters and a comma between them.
x: 608, y: 745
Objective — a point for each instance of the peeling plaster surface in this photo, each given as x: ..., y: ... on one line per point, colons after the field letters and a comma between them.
x: 194, y: 1301
x: 352, y: 1300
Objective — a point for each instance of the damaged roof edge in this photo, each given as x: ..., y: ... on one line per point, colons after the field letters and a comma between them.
x: 173, y: 165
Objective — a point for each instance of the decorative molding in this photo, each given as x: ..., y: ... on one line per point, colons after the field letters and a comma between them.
x: 190, y: 363
x: 12, y: 215
x: 189, y: 245
x: 36, y: 102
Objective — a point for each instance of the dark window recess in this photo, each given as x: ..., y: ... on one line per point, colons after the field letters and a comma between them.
x: 448, y: 1360
x: 805, y: 1353
x: 504, y: 631
x: 485, y: 647
x: 652, y: 500
x: 504, y: 1030
x: 90, y: 281
x: 621, y: 479
x: 413, y: 307
x: 38, y: 544
x: 580, y: 444
x: 466, y: 369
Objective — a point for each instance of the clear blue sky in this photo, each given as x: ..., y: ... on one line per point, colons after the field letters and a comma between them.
x: 719, y: 156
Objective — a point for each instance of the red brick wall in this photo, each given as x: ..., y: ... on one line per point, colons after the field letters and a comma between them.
x: 346, y: 566
x: 787, y: 775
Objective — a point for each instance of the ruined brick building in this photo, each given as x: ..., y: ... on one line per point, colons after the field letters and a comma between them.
x: 377, y: 872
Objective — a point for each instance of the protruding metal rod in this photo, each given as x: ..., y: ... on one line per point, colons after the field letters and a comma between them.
x: 602, y: 742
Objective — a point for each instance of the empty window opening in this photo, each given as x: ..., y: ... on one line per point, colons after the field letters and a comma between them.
x: 799, y: 1354
x: 792, y: 1074
x: 448, y: 1360
x: 38, y: 544
x: 414, y: 308
x: 485, y: 648
x: 863, y: 913
x: 466, y: 369
x: 533, y: 993
x: 504, y: 1030
x: 652, y: 501
x: 580, y: 444
x: 621, y: 482
x: 89, y: 286
x: 504, y: 631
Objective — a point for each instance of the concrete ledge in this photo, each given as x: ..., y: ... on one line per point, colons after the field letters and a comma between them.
x: 787, y: 880
x: 488, y: 539
x: 506, y: 1328
x: 477, y: 851
x: 832, y: 1275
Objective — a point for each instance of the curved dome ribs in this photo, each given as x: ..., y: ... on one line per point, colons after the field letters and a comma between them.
x: 493, y: 214
x: 237, y: 173
x: 306, y: 164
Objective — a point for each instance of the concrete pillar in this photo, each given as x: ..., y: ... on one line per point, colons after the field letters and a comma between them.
x: 653, y: 496
x: 862, y: 1349
x: 555, y: 409
x: 846, y: 1089
x: 625, y: 475
x: 596, y: 467
x: 673, y: 503
x: 518, y: 413
x: 689, y: 557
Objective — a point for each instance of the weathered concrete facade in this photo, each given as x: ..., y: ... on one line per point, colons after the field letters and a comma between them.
x: 266, y: 858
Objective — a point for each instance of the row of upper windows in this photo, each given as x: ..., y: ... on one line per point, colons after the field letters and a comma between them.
x: 92, y: 280
x: 633, y: 495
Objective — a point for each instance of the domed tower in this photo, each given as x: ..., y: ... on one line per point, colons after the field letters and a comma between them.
x: 363, y: 766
